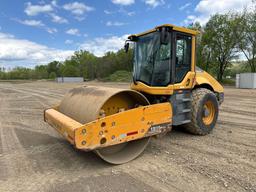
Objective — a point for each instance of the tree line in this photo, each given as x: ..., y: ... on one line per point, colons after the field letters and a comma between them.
x: 222, y: 40
x: 81, y: 64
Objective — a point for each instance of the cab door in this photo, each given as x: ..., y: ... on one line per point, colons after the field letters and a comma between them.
x: 183, y: 61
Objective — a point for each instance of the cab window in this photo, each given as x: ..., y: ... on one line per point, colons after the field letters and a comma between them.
x: 183, y: 56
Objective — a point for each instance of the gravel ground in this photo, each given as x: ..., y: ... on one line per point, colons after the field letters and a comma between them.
x: 33, y: 157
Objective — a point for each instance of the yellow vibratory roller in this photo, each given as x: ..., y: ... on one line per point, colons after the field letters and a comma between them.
x: 86, y: 104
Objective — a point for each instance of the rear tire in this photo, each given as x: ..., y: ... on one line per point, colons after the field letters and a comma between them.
x: 205, y: 110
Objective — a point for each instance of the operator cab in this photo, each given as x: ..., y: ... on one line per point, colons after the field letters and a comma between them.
x: 162, y: 56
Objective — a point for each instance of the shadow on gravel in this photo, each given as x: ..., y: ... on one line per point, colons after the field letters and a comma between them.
x: 50, y: 153
x: 121, y: 182
x: 179, y: 132
x: 31, y: 138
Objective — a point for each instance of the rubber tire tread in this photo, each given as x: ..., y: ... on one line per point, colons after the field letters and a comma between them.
x: 196, y: 126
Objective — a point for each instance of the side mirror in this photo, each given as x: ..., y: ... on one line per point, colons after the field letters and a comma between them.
x: 126, y: 47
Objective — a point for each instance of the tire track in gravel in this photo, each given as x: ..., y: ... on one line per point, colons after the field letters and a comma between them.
x: 21, y: 165
x: 32, y: 96
x: 242, y: 112
x: 3, y: 170
x: 3, y: 167
x: 43, y: 96
x: 244, y: 125
x: 239, y: 117
x: 205, y: 166
x: 177, y: 162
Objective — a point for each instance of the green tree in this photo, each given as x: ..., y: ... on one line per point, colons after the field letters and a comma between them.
x: 70, y: 69
x: 54, y: 66
x: 40, y: 72
x: 85, y: 62
x: 52, y: 75
x: 203, y: 51
x: 220, y: 43
x: 247, y: 35
x: 124, y: 61
x: 106, y: 65
x: 20, y: 73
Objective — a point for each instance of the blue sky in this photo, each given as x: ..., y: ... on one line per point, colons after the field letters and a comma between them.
x: 36, y: 32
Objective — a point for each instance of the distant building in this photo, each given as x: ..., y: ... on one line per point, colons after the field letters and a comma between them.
x: 246, y: 80
x: 69, y: 79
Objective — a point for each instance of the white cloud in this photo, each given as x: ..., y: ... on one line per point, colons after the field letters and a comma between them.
x: 6, y: 35
x: 54, y: 3
x: 121, y: 10
x: 206, y: 8
x: 58, y: 19
x: 125, y: 12
x: 189, y: 19
x: 79, y: 18
x: 212, y: 6
x: 38, y: 24
x: 154, y: 3
x: 114, y: 23
x: 99, y: 46
x: 123, y: 2
x: 108, y: 12
x: 73, y: 31
x: 77, y: 8
x: 33, y: 10
x: 51, y: 30
x: 15, y: 52
x: 34, y: 23
x: 184, y: 6
x: 132, y: 13
x: 68, y: 41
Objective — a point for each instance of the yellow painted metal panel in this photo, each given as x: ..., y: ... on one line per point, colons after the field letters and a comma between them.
x: 62, y: 123
x: 175, y: 28
x: 187, y: 82
x: 114, y: 129
x: 206, y: 78
x: 193, y: 54
x: 152, y: 90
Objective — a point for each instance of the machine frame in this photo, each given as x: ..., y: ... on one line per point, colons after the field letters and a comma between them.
x: 117, y: 123
x: 114, y: 129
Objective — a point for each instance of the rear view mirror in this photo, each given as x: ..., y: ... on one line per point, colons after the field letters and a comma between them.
x: 126, y: 47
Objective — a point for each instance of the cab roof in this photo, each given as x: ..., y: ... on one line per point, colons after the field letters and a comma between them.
x: 173, y: 27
